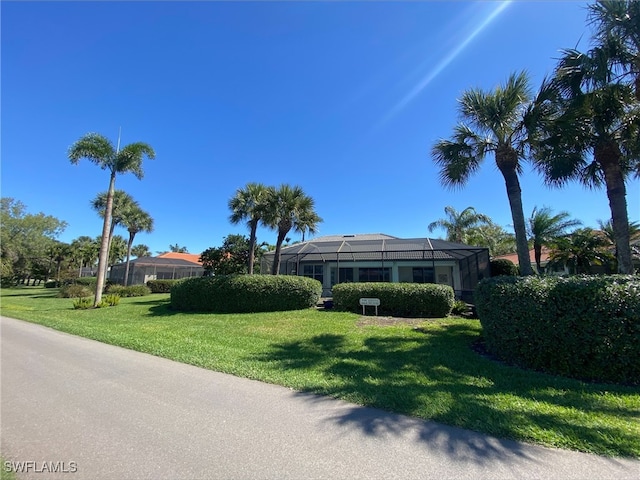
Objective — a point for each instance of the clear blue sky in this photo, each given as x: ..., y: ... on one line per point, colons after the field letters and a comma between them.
x: 344, y: 99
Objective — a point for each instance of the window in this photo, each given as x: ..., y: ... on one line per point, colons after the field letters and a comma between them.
x: 374, y: 274
x: 313, y: 271
x: 423, y: 275
x: 346, y: 275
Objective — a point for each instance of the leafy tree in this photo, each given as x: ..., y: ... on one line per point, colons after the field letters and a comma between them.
x: 592, y: 135
x: 580, y: 251
x: 230, y: 258
x: 249, y: 204
x: 544, y: 227
x: 135, y: 220
x: 140, y: 250
x: 99, y: 150
x: 458, y: 224
x: 24, y: 240
x: 492, y: 236
x: 178, y: 249
x: 495, y: 124
x: 289, y: 208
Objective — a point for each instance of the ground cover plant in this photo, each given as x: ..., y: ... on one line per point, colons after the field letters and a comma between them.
x: 424, y: 368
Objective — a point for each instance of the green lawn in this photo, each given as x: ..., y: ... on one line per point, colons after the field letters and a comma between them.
x: 424, y: 368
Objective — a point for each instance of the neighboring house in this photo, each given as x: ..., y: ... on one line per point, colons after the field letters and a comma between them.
x: 383, y: 258
x: 544, y: 260
x: 168, y: 266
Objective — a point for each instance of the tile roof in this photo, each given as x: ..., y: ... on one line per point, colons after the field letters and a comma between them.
x: 189, y: 257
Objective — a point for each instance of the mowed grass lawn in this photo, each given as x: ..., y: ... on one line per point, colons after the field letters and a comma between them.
x: 427, y: 369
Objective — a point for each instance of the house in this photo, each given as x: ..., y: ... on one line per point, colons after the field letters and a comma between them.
x: 544, y: 260
x: 383, y: 258
x: 168, y: 266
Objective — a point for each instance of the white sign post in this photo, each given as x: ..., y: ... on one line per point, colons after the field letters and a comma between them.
x: 372, y: 302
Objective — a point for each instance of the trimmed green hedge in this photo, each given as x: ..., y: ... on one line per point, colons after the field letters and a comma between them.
x: 582, y: 327
x: 128, y: 291
x: 245, y: 293
x: 502, y: 266
x: 161, y: 286
x: 396, y: 299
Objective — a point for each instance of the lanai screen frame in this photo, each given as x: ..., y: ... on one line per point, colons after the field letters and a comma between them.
x: 473, y: 262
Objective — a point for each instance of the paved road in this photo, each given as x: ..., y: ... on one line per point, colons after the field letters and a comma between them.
x: 109, y: 413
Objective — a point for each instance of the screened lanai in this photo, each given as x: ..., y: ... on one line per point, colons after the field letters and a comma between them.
x: 143, y: 269
x: 383, y: 258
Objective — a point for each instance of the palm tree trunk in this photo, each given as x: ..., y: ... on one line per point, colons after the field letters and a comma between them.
x: 537, y: 249
x: 126, y: 268
x: 104, y: 242
x: 607, y: 157
x: 252, y: 245
x: 517, y: 214
x: 275, y: 270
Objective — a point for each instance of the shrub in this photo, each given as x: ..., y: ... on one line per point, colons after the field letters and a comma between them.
x: 51, y: 284
x: 245, y: 293
x: 582, y: 327
x: 459, y: 307
x: 502, y: 266
x: 82, y: 303
x: 89, y: 282
x: 161, y: 286
x: 74, y: 291
x: 128, y: 291
x: 111, y: 300
x: 396, y: 299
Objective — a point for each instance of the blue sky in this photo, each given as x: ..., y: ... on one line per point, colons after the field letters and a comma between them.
x: 343, y: 99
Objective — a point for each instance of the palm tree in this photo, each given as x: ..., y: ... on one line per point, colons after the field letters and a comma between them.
x: 140, y: 250
x: 85, y: 251
x: 495, y: 124
x: 545, y: 227
x: 248, y: 204
x: 135, y: 220
x: 617, y: 26
x: 289, y: 208
x: 592, y: 135
x: 176, y: 248
x: 99, y: 150
x: 634, y: 235
x: 457, y: 224
x: 118, y: 251
x: 580, y: 251
x: 122, y: 202
x: 491, y: 236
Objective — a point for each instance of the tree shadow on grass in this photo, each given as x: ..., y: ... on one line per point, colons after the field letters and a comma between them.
x: 435, y: 375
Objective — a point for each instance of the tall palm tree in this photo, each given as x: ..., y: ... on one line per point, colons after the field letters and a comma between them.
x: 122, y: 202
x: 289, y: 208
x: 617, y: 26
x: 135, y: 220
x: 99, y: 150
x: 457, y: 224
x: 248, y: 204
x: 494, y: 125
x: 544, y: 227
x: 85, y: 252
x: 592, y: 134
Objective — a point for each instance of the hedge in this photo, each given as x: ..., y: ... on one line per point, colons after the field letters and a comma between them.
x: 582, y: 327
x: 128, y: 291
x: 161, y: 286
x: 502, y: 266
x: 245, y: 293
x: 396, y: 299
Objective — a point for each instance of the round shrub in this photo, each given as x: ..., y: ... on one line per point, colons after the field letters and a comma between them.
x: 161, y: 286
x: 245, y: 293
x: 582, y: 327
x: 74, y: 291
x: 502, y: 266
x: 396, y: 299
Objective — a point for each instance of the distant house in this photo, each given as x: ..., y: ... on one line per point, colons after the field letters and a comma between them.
x: 544, y: 260
x: 383, y: 258
x: 167, y: 266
